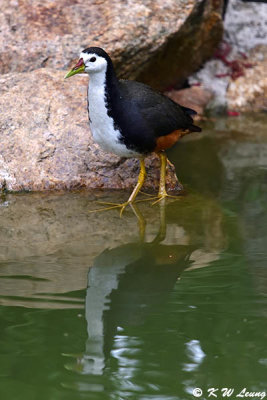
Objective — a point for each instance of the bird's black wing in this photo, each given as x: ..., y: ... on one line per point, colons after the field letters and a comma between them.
x: 161, y: 113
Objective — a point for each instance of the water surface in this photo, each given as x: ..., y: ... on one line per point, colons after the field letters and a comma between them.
x: 97, y: 307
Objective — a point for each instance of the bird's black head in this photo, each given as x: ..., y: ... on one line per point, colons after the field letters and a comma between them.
x: 97, y: 51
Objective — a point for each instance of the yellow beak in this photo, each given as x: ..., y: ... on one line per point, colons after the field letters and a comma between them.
x: 77, y: 69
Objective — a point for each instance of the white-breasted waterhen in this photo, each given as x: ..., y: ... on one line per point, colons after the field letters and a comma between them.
x: 129, y: 118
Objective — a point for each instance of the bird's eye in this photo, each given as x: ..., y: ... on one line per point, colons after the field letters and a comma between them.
x: 92, y: 59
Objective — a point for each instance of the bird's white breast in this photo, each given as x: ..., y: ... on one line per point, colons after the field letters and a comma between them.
x: 101, y: 123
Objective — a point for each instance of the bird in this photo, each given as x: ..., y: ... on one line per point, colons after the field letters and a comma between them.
x: 129, y: 118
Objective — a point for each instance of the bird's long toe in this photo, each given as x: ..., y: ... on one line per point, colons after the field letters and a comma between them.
x: 163, y: 196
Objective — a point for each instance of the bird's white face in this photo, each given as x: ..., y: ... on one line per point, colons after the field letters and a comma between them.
x: 93, y: 63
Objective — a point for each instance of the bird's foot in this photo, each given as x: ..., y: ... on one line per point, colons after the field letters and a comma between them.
x: 111, y: 206
x: 121, y: 206
x: 146, y: 194
x: 164, y: 195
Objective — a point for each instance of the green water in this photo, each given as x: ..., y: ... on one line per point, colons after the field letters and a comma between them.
x: 97, y: 307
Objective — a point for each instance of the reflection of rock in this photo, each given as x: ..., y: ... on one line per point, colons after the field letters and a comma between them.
x: 246, y: 150
x: 229, y: 148
x: 240, y: 156
x: 237, y: 150
x: 145, y: 38
x: 48, y: 242
x: 46, y: 143
x: 245, y: 164
x: 253, y: 226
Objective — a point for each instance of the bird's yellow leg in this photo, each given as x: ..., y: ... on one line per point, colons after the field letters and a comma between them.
x: 140, y: 182
x: 162, y: 194
x: 162, y: 183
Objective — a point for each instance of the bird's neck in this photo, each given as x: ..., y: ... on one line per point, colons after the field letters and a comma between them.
x: 104, y: 83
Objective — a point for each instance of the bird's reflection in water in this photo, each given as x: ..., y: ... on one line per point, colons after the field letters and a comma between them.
x: 125, y: 285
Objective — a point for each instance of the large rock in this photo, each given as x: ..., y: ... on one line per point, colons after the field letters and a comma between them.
x: 249, y: 92
x: 45, y: 138
x: 245, y: 24
x: 244, y: 93
x: 237, y: 74
x: 46, y: 143
x: 159, y: 42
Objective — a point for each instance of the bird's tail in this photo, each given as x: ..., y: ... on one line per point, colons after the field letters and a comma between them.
x: 188, y: 110
x: 194, y: 128
x: 191, y: 113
